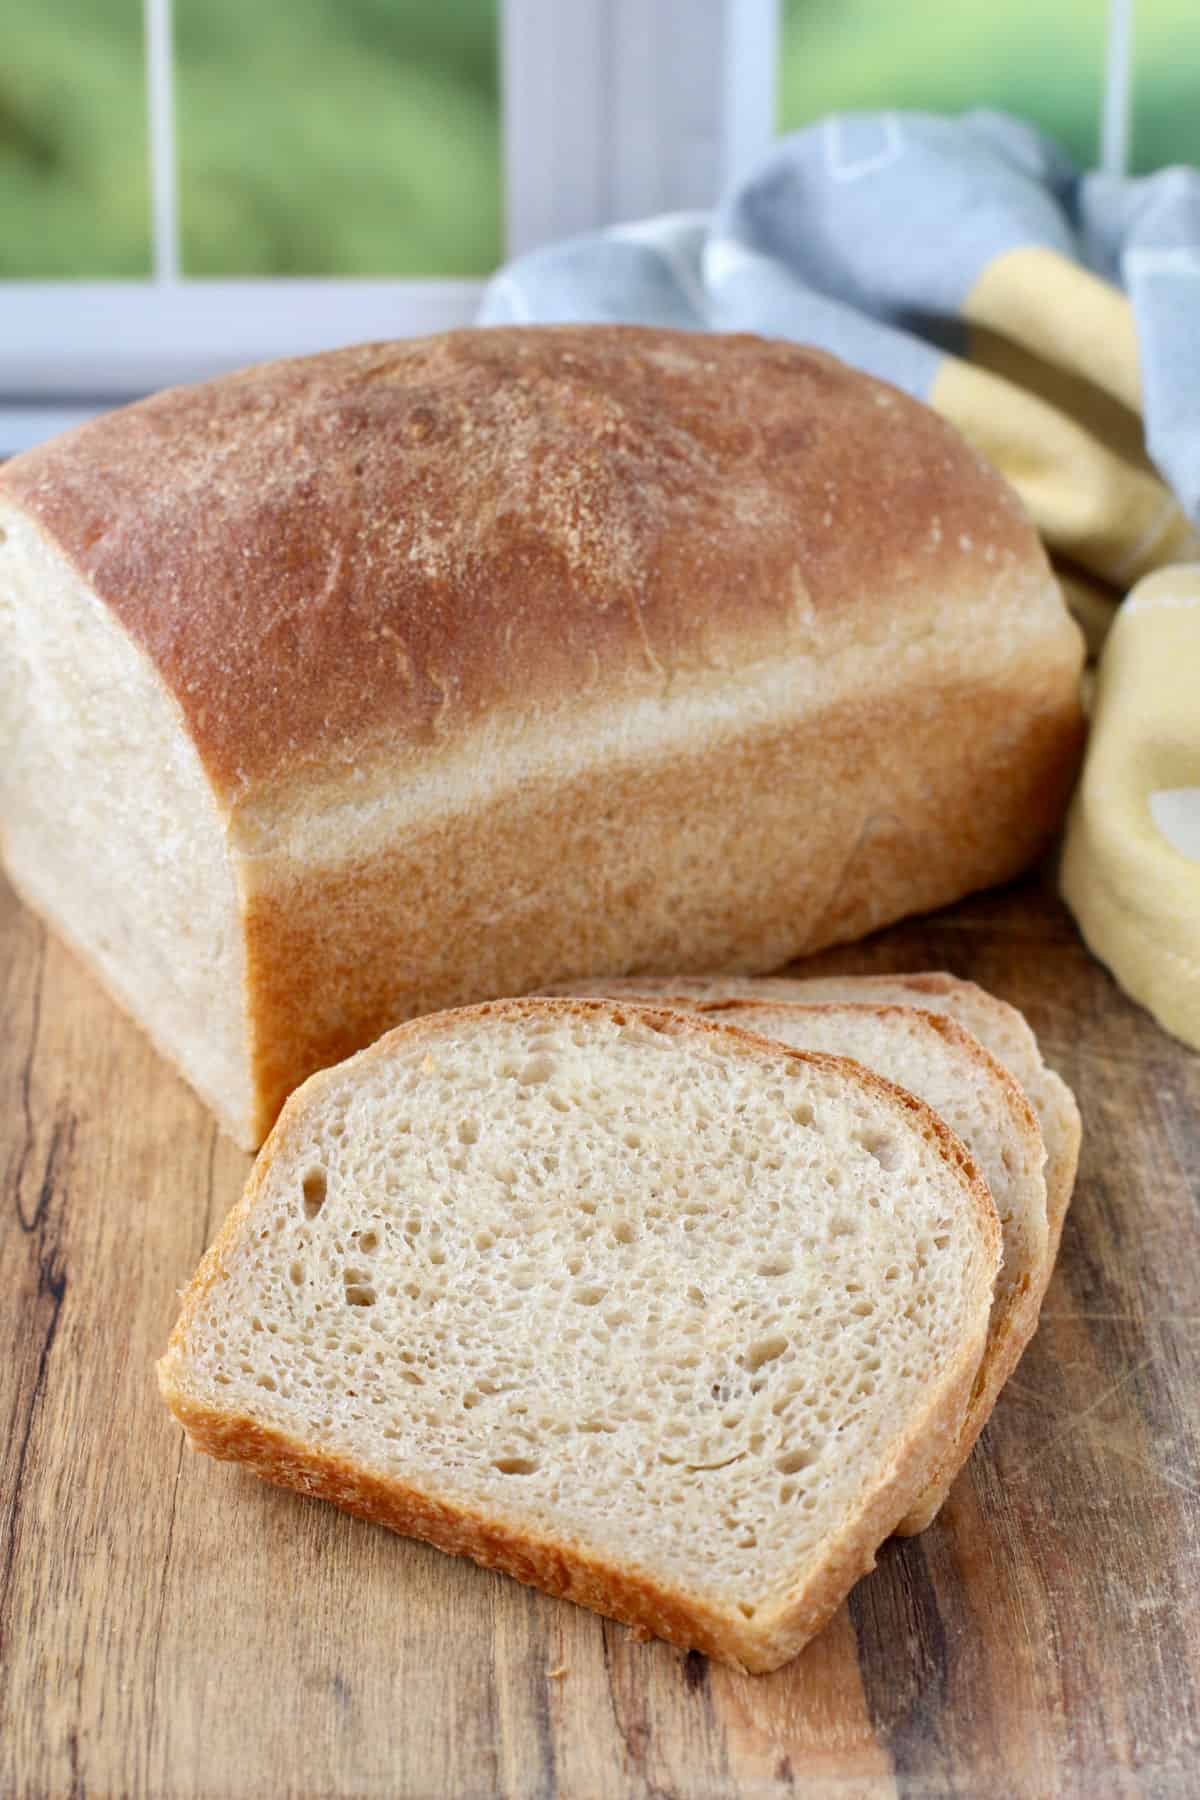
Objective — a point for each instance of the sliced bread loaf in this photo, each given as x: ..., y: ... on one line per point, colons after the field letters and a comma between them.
x: 999, y: 1027
x: 644, y: 1310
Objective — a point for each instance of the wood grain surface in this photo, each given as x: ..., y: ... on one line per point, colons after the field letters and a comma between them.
x: 169, y: 1626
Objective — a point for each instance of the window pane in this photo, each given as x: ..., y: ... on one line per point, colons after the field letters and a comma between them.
x: 338, y: 137
x: 1043, y: 61
x: 1166, y: 110
x: 74, y: 182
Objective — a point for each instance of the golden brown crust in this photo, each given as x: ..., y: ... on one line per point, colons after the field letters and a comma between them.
x: 565, y: 1567
x: 384, y: 544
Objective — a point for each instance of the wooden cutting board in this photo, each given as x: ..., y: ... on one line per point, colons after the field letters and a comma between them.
x: 169, y: 1626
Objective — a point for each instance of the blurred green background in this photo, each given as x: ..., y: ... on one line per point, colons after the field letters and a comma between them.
x: 1043, y: 60
x: 362, y: 137
x: 316, y: 137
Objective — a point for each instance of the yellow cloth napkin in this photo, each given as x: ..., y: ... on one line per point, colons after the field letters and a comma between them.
x: 1049, y: 392
x: 1131, y: 863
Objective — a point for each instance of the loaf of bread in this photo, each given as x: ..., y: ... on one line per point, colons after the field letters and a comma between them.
x: 647, y: 1311
x: 358, y: 686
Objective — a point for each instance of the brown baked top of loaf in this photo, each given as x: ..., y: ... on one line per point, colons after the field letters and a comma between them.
x: 386, y: 542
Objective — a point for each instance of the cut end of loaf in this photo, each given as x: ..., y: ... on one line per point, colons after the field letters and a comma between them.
x: 637, y: 1308
x: 111, y: 828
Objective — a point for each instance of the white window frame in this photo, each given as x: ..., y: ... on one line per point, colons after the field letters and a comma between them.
x: 612, y: 109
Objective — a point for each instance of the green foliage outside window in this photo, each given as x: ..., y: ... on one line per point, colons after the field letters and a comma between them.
x: 362, y: 137
x: 1044, y: 61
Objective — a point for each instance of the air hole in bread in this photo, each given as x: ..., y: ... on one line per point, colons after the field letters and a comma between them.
x: 368, y: 1242
x: 776, y: 1265
x: 623, y: 1232
x: 886, y: 1151
x: 765, y: 1350
x: 842, y: 1226
x: 537, y: 1070
x: 359, y: 1291
x: 266, y: 1381
x: 589, y: 1296
x: 792, y: 1461
x: 515, y: 1465
x: 297, y: 1273
x: 315, y: 1188
x: 803, y: 1114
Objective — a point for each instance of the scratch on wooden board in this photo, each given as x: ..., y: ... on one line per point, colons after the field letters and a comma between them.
x: 1077, y: 1419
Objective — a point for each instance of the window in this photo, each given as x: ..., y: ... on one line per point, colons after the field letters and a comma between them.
x: 320, y: 171
x: 310, y: 172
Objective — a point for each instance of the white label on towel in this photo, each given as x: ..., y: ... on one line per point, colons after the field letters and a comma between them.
x: 1176, y: 812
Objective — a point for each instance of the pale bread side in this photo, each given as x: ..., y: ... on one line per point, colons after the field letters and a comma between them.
x: 770, y: 1364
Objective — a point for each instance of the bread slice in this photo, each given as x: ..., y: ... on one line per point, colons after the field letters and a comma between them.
x: 998, y: 1026
x: 644, y: 1310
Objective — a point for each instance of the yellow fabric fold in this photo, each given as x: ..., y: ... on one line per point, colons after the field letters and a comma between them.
x: 1088, y: 503
x: 1049, y: 392
x: 1131, y: 862
x: 1061, y: 312
x: 1092, y: 604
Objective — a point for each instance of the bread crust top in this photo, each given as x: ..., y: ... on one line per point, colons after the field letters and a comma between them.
x: 386, y: 544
